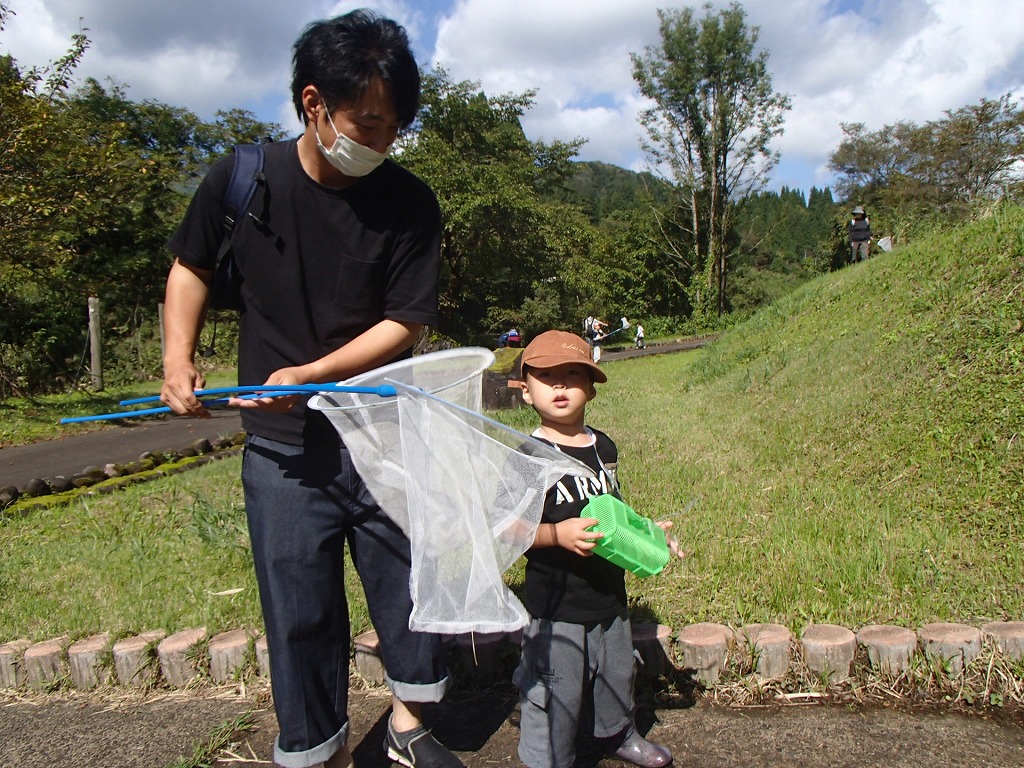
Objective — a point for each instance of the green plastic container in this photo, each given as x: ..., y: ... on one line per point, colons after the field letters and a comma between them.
x: 631, y: 541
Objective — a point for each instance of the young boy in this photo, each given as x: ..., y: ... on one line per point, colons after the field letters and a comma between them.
x: 578, y: 649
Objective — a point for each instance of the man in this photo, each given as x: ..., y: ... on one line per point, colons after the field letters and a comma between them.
x: 859, y: 230
x: 339, y: 253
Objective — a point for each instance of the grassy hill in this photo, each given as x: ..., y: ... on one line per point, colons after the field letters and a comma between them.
x: 852, y: 453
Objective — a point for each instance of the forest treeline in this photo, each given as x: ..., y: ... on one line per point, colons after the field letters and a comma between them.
x: 93, y: 183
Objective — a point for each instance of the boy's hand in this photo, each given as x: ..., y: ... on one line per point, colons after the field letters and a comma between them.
x: 572, y: 534
x: 673, y: 545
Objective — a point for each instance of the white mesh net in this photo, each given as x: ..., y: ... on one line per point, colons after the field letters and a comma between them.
x: 467, y: 490
x: 369, y: 424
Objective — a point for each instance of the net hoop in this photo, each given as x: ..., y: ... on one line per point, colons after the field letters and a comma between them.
x: 435, y: 373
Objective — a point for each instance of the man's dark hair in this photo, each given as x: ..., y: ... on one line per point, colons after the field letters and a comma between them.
x: 343, y: 55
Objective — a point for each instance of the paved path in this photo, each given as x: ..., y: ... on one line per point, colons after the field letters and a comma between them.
x: 122, y: 442
x: 483, y: 728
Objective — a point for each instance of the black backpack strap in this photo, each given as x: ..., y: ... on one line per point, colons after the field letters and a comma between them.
x: 245, y: 177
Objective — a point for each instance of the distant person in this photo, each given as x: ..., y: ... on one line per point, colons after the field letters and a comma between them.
x: 859, y: 230
x: 597, y: 340
x: 340, y: 276
x: 509, y: 338
x: 577, y: 666
x: 640, y: 343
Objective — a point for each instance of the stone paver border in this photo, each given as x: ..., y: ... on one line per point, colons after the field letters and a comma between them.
x: 766, y: 651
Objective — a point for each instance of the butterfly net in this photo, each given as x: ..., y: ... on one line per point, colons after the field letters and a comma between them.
x: 467, y: 490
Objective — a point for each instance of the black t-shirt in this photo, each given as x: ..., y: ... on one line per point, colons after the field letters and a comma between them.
x: 320, y: 266
x: 561, y: 585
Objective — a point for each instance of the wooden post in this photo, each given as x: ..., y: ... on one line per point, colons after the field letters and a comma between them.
x: 163, y: 339
x: 95, y: 344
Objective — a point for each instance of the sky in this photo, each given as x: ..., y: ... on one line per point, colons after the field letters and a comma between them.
x: 841, y: 61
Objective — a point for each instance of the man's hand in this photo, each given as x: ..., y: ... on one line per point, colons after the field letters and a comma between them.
x: 282, y: 377
x: 178, y: 392
x: 184, y: 312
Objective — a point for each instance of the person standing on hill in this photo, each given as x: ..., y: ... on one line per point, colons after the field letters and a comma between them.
x: 859, y: 230
x: 340, y: 256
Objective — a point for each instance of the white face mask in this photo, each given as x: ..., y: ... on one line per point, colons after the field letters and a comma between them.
x: 350, y: 157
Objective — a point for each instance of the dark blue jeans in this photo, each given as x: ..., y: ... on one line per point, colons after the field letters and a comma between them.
x: 303, y: 503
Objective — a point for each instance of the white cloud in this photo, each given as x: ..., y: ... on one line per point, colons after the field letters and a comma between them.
x: 874, y: 61
x: 36, y: 34
x: 870, y: 61
x: 570, y: 51
x: 194, y: 53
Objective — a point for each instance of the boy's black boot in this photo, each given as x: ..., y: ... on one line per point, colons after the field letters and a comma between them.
x: 637, y: 750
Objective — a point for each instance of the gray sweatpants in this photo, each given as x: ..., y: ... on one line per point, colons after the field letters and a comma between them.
x: 572, y: 678
x: 860, y: 250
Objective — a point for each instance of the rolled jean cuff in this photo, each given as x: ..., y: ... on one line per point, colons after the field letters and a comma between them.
x: 321, y: 753
x: 418, y: 692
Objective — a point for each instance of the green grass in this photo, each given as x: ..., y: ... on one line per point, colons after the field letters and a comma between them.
x: 150, y: 556
x: 850, y: 454
x: 169, y: 554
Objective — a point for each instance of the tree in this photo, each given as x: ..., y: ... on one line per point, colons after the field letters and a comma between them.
x: 38, y: 188
x: 868, y: 162
x: 627, y: 273
x: 783, y: 240
x: 980, y: 148
x: 499, y: 236
x: 940, y: 168
x: 92, y: 185
x: 713, y: 118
